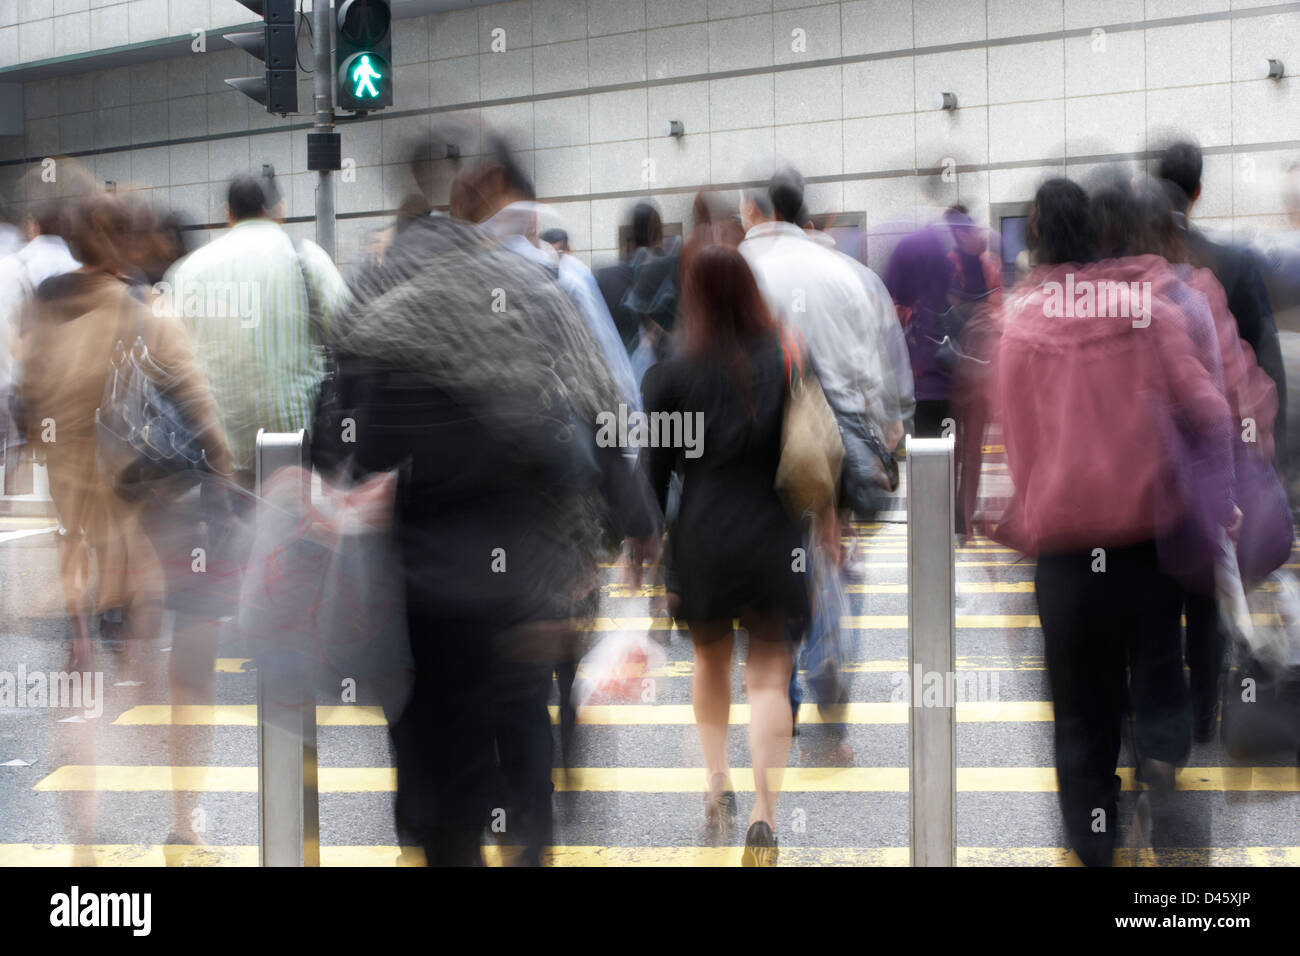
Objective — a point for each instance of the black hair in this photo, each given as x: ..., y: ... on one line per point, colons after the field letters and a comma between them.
x: 500, y: 154
x: 786, y: 193
x: 1157, y: 233
x: 555, y: 235
x: 1114, y: 216
x: 51, y: 217
x: 246, y: 198
x: 1061, y: 230
x: 761, y: 199
x: 647, y: 228
x: 1181, y: 163
x: 271, y: 194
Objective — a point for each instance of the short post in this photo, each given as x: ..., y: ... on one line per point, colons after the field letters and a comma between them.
x: 931, y: 621
x: 287, y: 796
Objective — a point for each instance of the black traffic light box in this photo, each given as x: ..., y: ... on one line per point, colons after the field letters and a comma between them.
x: 277, y: 45
x: 363, y: 55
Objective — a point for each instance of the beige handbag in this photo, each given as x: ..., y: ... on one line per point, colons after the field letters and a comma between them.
x: 808, y: 474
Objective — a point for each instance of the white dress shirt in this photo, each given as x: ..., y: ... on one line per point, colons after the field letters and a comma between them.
x: 20, y: 273
x: 899, y: 394
x: 816, y: 291
x: 512, y: 226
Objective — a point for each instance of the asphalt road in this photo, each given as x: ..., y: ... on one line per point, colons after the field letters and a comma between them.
x: 635, y: 795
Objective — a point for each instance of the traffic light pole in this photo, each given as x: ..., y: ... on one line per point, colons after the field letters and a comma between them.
x: 323, y: 30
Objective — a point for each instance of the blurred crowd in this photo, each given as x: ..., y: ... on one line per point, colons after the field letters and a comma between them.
x: 450, y: 386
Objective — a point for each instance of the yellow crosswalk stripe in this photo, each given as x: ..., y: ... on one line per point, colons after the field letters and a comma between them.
x: 244, y: 715
x: 866, y: 622
x: 963, y: 587
x: 886, y: 666
x: 136, y: 779
x: 623, y: 715
x: 235, y: 665
x: 131, y: 854
x: 960, y: 564
x: 892, y: 548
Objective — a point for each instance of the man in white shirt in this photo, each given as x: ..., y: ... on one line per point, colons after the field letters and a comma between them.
x: 501, y: 200
x: 883, y: 325
x: 44, y: 255
x: 816, y: 291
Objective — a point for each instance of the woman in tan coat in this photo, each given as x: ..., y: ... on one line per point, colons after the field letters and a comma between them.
x: 76, y: 322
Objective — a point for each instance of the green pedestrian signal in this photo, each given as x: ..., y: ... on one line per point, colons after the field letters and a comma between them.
x: 362, y: 77
x: 363, y: 44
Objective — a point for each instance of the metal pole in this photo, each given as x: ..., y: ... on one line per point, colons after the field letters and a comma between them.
x: 287, y: 795
x: 931, y: 621
x: 323, y: 102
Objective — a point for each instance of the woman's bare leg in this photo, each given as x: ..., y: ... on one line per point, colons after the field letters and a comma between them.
x: 711, y: 691
x: 767, y: 684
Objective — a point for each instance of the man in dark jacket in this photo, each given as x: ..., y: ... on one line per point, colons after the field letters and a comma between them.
x: 617, y: 280
x: 466, y: 368
x: 1237, y: 270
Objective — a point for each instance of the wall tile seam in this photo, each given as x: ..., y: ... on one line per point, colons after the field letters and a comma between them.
x: 411, y: 113
x: 1242, y: 13
x: 870, y: 175
x: 625, y: 87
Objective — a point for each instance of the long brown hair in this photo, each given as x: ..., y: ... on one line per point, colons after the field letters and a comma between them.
x: 100, y: 227
x: 724, y: 314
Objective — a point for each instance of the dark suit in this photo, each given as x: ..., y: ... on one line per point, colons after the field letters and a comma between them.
x: 1237, y: 270
x: 614, y: 281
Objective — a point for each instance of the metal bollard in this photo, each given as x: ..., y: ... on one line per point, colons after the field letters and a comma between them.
x: 287, y: 795
x: 931, y: 622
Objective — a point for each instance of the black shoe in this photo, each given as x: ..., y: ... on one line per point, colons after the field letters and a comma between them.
x: 1205, y: 720
x: 760, y: 846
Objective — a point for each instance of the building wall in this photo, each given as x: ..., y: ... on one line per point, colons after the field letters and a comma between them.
x: 585, y: 89
x: 36, y: 30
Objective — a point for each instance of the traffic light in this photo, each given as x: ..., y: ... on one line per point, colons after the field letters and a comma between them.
x: 276, y: 44
x: 363, y: 55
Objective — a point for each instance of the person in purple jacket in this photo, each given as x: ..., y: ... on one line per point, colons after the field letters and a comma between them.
x: 918, y: 277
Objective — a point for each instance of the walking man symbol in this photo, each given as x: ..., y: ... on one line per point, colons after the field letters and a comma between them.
x: 364, y: 75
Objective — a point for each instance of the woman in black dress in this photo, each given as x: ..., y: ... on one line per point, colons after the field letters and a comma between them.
x: 734, y: 549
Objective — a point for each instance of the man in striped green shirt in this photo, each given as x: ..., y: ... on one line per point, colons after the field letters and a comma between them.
x: 257, y: 308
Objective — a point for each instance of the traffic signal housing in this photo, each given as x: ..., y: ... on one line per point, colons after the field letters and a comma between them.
x: 277, y: 45
x: 363, y: 55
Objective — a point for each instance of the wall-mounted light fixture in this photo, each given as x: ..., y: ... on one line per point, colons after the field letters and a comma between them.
x: 945, y: 101
x: 1271, y: 70
x: 675, y: 129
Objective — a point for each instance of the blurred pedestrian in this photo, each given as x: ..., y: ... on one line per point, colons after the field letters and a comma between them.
x: 257, y: 307
x: 1238, y: 271
x: 505, y: 504
x: 82, y: 320
x: 497, y: 194
x: 732, y: 541
x: 1092, y: 464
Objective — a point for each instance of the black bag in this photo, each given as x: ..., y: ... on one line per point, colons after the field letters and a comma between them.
x: 1269, y: 724
x: 141, y: 435
x: 869, y: 472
